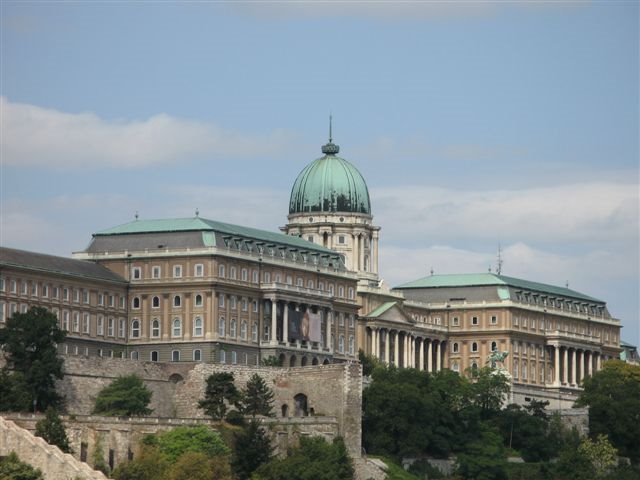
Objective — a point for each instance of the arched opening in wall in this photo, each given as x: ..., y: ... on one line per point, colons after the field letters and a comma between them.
x: 314, y: 361
x: 326, y: 361
x: 176, y: 378
x: 285, y: 410
x: 300, y: 402
x: 325, y: 237
x: 292, y: 361
x: 282, y: 358
x: 303, y: 362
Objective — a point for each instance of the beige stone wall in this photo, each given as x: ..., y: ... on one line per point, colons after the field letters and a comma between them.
x: 54, y: 464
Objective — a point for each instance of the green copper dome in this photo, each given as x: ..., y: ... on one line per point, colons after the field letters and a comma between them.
x: 330, y: 184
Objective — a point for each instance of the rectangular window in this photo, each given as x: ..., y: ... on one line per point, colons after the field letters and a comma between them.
x: 13, y: 286
x: 155, y: 271
x: 233, y: 302
x: 34, y: 289
x: 45, y: 291
x: 23, y: 287
x: 55, y: 292
x: 76, y: 295
x: 85, y: 323
x: 111, y: 301
x: 110, y: 327
x: 177, y: 271
x: 244, y: 275
x: 474, y: 321
x: 136, y: 273
x: 2, y: 313
x: 85, y: 296
x: 255, y: 306
x: 245, y: 305
x: 1, y: 284
x: 494, y: 319
x: 199, y: 270
x: 65, y: 294
x: 221, y: 300
x: 456, y: 321
x: 341, y: 239
x: 121, y: 328
x: 76, y: 322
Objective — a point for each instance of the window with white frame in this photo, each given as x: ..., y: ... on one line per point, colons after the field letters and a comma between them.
x: 245, y: 305
x: 65, y: 320
x: 254, y: 276
x: 55, y: 291
x: 76, y: 295
x: 23, y: 308
x: 341, y: 291
x: 199, y: 270
x: 494, y: 319
x: 177, y: 301
x: 99, y: 325
x: 136, y: 273
x: 267, y: 277
x: 112, y: 301
x: 352, y: 345
x: 135, y: 304
x: 232, y: 273
x: 244, y: 275
x: 122, y: 328
x: 197, y: 355
x: 243, y: 330
x: 100, y: 297
x: 155, y: 302
x: 232, y: 302
x: 221, y: 300
x: 34, y: 289
x: 135, y: 328
x: 177, y: 271
x: 2, y: 284
x: 222, y: 325
x: 351, y: 293
x: 341, y: 319
x: 156, y: 271
x: 3, y: 314
x: 255, y: 306
x: 122, y: 302
x: 289, y: 280
x: 455, y: 347
x: 197, y: 327
x: 134, y: 355
x: 232, y: 327
x: 330, y: 289
x: 474, y: 347
x: 494, y: 346
x: 65, y: 294
x: 176, y: 329
x: 234, y: 357
x: 76, y: 322
x: 254, y: 332
x: 266, y: 335
x: 474, y: 320
x: 300, y: 282
x: 223, y: 356
x: 155, y: 328
x: 352, y: 321
x: 45, y: 291
x: 85, y: 323
x: 198, y: 300
x: 154, y: 356
x: 23, y: 288
x: 110, y: 327
x: 341, y: 344
x: 175, y: 356
x: 221, y: 270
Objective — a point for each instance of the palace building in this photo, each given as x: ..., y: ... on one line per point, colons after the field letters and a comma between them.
x: 198, y: 290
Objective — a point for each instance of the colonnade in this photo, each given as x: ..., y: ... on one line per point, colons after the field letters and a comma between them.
x: 277, y: 335
x: 572, y: 364
x: 406, y: 349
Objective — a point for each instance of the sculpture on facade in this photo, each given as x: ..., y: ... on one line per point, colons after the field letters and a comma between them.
x: 496, y: 362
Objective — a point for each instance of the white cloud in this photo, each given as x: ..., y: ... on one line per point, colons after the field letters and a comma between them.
x: 579, y: 214
x: 36, y: 136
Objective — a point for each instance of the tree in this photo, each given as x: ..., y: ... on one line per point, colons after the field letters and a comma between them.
x: 180, y: 440
x: 483, y: 459
x: 314, y: 459
x: 601, y: 454
x: 613, y: 397
x: 30, y: 341
x: 252, y: 449
x: 52, y: 430
x: 257, y: 397
x: 220, y: 392
x: 12, y: 468
x: 490, y: 389
x: 271, y: 361
x: 369, y: 363
x: 151, y: 464
x: 125, y: 396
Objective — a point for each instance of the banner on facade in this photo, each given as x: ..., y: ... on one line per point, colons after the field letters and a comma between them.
x: 304, y: 326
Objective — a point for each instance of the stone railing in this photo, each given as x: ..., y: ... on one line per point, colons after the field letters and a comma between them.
x: 54, y: 464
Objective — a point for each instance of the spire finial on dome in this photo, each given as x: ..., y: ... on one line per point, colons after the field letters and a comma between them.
x: 330, y: 148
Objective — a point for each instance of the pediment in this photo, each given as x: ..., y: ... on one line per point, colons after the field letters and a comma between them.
x: 390, y: 312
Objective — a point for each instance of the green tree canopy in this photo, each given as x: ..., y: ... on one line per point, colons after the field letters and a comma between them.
x: 257, y: 397
x: 125, y: 396
x: 12, y: 468
x: 252, y: 449
x: 613, y: 397
x: 52, y: 430
x: 219, y: 393
x: 29, y: 341
x: 202, y: 439
x: 314, y: 459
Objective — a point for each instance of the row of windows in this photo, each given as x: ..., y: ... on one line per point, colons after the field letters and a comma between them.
x: 79, y: 295
x: 455, y: 347
x: 156, y: 271
x: 561, y: 303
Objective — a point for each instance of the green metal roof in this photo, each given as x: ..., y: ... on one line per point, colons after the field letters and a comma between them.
x: 490, y: 279
x: 381, y: 309
x: 204, y: 225
x: 330, y: 184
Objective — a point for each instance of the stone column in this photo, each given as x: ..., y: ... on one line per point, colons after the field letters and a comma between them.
x: 598, y: 361
x: 329, y: 320
x: 580, y: 366
x: 565, y: 366
x: 590, y: 363
x: 285, y: 323
x: 374, y: 249
x: 429, y: 356
x: 421, y: 365
x: 375, y: 342
x: 361, y: 251
x: 556, y: 368
x: 354, y: 252
x: 574, y: 380
x: 438, y: 356
x: 396, y: 349
x: 274, y: 321
x: 386, y: 347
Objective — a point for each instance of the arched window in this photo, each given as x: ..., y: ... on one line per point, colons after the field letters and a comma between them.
x: 135, y: 328
x: 155, y: 302
x: 155, y: 328
x: 197, y: 355
x: 474, y: 366
x: 300, y: 402
x: 494, y: 346
x: 198, y: 300
x: 243, y: 330
x: 197, y: 327
x: 136, y: 302
x: 232, y: 327
x: 474, y: 347
x: 456, y: 347
x: 175, y: 356
x: 221, y: 272
x: 232, y: 273
x: 221, y: 326
x: 177, y: 328
x: 177, y: 301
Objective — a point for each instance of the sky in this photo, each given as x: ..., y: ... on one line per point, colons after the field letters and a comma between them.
x: 477, y: 126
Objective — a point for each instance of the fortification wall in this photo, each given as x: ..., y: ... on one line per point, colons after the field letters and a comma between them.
x: 54, y: 464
